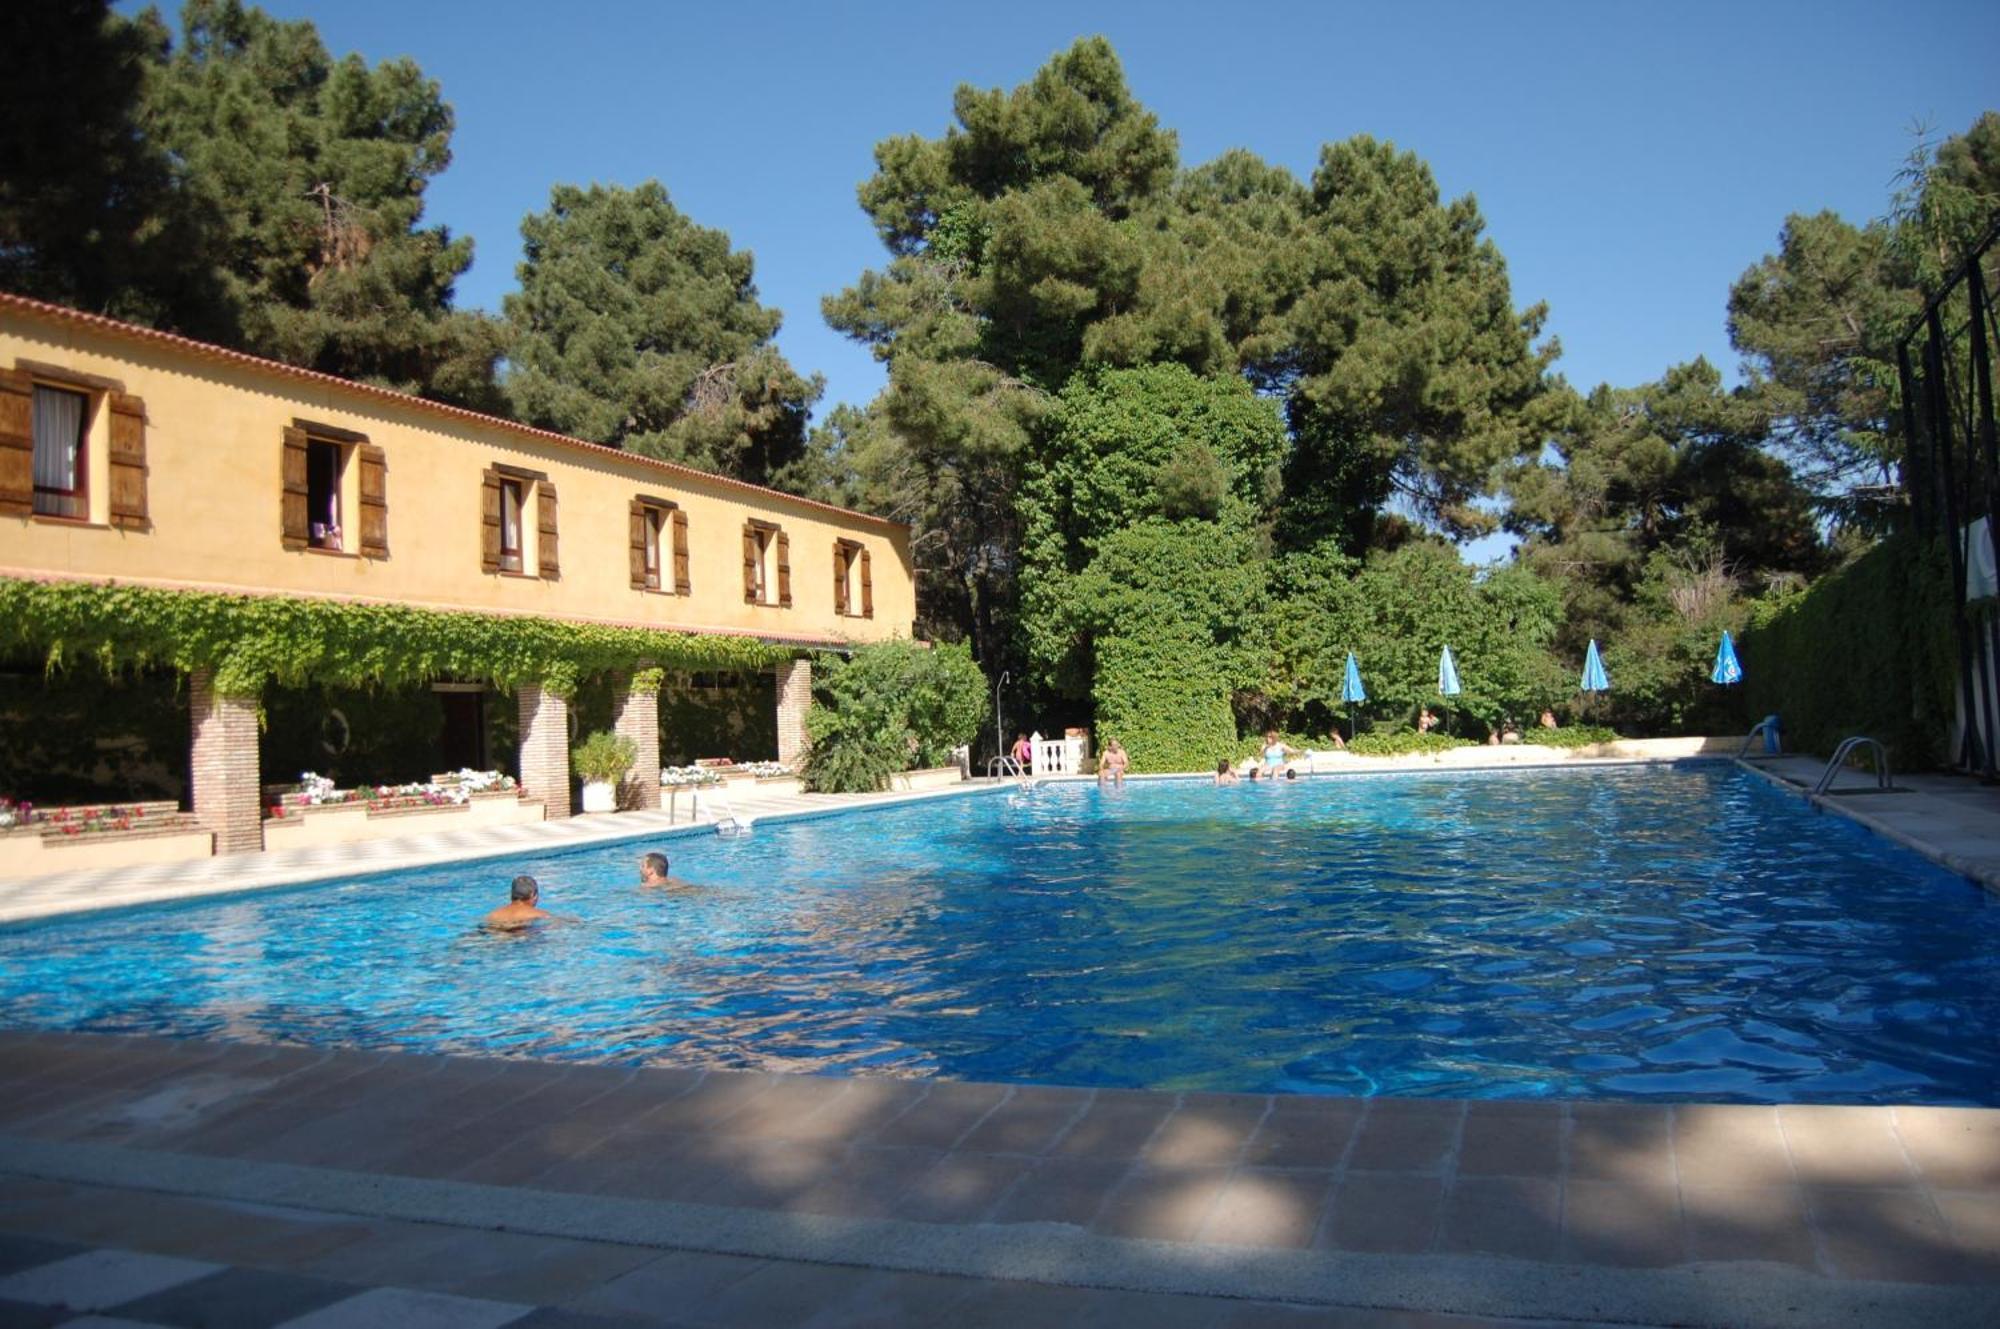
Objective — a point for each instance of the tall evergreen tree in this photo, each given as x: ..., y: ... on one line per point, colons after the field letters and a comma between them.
x: 1411, y: 374
x: 91, y: 211
x: 636, y: 327
x: 1817, y: 322
x: 316, y: 169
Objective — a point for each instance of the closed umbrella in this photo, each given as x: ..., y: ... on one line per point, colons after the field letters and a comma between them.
x: 1448, y: 675
x: 1594, y: 679
x: 1351, y: 691
x: 1727, y: 669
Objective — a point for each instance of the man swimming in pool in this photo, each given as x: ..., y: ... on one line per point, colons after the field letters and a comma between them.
x: 653, y: 869
x: 520, y: 911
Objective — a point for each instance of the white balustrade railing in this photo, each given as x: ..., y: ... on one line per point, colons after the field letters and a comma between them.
x: 1058, y: 756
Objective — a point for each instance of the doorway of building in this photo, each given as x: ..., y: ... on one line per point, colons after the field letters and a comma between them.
x: 463, y: 742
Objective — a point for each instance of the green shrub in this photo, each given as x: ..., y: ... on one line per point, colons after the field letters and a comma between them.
x: 1405, y: 744
x: 603, y: 757
x: 887, y: 708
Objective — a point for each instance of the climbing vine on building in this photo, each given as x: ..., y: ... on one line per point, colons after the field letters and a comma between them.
x: 249, y: 640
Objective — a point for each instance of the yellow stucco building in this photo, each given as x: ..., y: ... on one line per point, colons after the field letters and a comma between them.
x: 136, y: 456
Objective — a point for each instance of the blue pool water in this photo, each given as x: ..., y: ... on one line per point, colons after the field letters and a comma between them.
x: 1628, y: 933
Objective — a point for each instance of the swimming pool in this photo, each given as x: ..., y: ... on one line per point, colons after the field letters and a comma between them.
x: 1681, y: 932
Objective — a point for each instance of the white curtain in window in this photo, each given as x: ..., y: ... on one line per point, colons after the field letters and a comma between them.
x: 510, y: 517
x: 58, y: 433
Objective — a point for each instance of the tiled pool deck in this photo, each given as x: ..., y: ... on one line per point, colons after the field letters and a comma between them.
x: 735, y: 1198
x: 191, y: 1182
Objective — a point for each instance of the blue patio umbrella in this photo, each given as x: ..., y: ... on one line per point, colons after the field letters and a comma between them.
x: 1447, y: 675
x: 1593, y: 671
x: 1727, y: 669
x: 1351, y: 691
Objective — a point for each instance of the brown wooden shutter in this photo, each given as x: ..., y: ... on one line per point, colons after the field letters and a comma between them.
x: 292, y: 512
x: 867, y: 588
x: 128, y: 462
x: 489, y: 523
x: 682, y: 583
x: 17, y: 444
x: 750, y: 554
x: 637, y: 522
x: 839, y: 577
x: 374, y: 501
x: 545, y: 506
x: 784, y: 570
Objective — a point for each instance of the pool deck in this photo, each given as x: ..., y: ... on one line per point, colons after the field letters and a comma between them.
x: 539, y: 1193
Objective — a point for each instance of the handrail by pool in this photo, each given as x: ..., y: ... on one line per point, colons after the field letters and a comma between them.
x: 1884, y: 780
x: 1763, y: 726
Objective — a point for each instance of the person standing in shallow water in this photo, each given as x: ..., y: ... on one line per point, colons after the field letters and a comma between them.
x: 521, y: 909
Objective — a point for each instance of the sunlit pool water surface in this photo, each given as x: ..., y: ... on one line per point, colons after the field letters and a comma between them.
x: 1682, y: 932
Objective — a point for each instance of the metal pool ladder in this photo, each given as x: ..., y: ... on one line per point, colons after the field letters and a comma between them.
x: 1762, y: 726
x: 727, y: 820
x: 1885, y: 782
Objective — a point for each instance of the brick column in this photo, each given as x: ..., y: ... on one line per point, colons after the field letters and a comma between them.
x: 636, y: 715
x: 544, y: 755
x: 228, y: 785
x: 794, y: 700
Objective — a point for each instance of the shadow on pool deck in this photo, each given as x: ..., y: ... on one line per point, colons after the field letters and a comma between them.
x: 1691, y: 1214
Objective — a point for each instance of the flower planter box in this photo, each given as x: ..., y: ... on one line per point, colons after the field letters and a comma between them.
x: 350, y: 823
x: 28, y: 852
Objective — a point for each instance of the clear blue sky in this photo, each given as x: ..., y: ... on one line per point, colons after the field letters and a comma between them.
x: 1631, y: 159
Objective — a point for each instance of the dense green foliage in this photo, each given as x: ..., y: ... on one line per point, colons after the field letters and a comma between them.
x: 603, y: 757
x: 1051, y: 229
x: 1140, y: 510
x: 78, y: 737
x: 1405, y: 743
x: 1869, y: 649
x: 637, y: 328
x: 890, y: 707
x: 1160, y: 694
x: 247, y: 640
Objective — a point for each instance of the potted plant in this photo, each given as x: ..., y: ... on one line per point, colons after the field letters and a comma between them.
x: 601, y: 761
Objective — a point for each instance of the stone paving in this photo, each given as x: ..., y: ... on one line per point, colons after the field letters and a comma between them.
x: 736, y: 1198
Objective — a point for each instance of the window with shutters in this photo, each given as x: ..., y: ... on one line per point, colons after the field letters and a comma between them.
x: 61, y: 426
x: 659, y: 546
x: 767, y: 565
x: 71, y: 450
x: 518, y: 523
x: 336, y: 496
x: 853, y: 580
